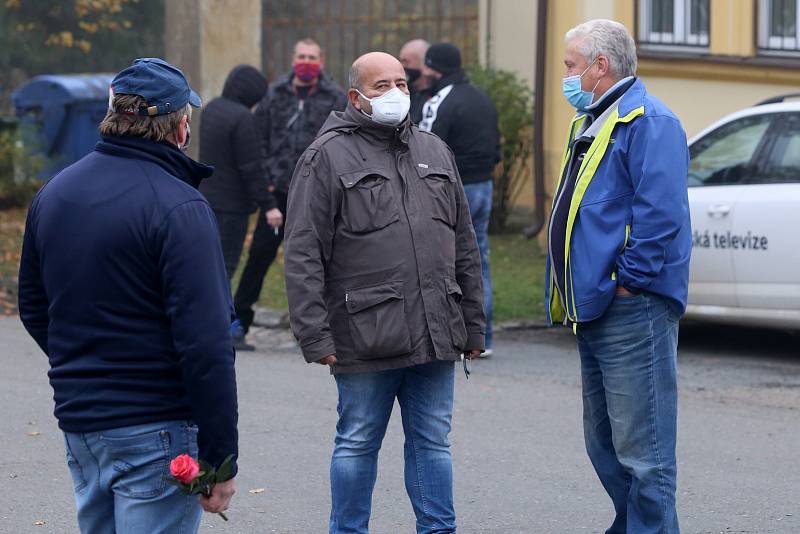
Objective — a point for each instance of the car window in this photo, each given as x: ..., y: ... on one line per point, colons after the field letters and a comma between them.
x: 783, y: 164
x: 727, y: 155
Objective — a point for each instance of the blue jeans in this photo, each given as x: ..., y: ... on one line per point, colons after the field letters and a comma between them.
x: 630, y: 408
x: 425, y: 395
x: 119, y: 479
x: 479, y: 197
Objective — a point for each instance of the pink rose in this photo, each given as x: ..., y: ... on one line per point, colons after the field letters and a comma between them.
x: 184, y: 468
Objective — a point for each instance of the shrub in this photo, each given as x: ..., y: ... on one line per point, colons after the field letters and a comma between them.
x: 18, y: 171
x: 514, y: 101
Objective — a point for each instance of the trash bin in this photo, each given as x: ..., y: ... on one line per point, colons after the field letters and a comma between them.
x: 59, y: 115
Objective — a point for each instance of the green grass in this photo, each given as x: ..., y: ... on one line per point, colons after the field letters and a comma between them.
x: 12, y: 228
x: 517, y: 277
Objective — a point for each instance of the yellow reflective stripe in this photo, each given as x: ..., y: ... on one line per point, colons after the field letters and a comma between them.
x: 614, y: 275
x: 578, y: 119
x: 556, y: 307
x: 572, y: 295
x: 557, y: 310
x: 573, y: 207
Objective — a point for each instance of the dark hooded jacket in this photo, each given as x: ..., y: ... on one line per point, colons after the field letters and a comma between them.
x: 466, y: 119
x: 289, y: 123
x: 382, y: 266
x: 123, y: 286
x: 229, y: 141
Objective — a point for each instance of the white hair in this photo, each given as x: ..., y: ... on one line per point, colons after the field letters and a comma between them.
x: 609, y: 38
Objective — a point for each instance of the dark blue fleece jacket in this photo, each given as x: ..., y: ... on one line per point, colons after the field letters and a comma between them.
x: 123, y: 286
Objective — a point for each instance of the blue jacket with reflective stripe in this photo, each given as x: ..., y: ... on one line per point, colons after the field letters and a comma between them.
x: 629, y: 217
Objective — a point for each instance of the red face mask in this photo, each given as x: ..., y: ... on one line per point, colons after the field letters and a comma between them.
x: 307, y: 72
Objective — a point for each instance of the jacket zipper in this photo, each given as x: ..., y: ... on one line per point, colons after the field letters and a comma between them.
x: 562, y: 292
x: 552, y: 213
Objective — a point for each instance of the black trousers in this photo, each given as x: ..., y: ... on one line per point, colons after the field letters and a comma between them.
x: 262, y: 253
x: 232, y: 231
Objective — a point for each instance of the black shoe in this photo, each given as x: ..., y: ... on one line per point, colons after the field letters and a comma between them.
x: 239, y: 342
x: 243, y: 346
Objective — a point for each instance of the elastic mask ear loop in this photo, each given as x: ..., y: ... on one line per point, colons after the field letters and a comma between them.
x: 368, y: 100
x: 584, y: 70
x: 587, y: 70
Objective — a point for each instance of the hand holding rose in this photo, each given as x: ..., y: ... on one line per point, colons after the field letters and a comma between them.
x: 213, y: 487
x: 220, y: 497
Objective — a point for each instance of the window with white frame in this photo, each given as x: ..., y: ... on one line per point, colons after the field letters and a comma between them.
x: 674, y: 23
x: 779, y: 26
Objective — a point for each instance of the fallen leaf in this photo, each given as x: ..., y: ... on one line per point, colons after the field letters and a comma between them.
x: 34, y: 433
x: 258, y: 490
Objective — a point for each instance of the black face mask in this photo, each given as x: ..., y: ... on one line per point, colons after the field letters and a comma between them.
x: 412, y: 75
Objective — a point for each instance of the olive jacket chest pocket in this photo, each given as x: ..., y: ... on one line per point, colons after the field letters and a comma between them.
x: 440, y: 183
x: 368, y: 202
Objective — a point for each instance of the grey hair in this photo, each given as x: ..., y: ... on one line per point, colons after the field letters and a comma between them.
x: 609, y: 38
x: 121, y: 121
x: 352, y: 77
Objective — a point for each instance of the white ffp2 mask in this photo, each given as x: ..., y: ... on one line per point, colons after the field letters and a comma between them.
x: 390, y: 108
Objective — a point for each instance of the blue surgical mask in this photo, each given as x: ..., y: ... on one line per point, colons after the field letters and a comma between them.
x: 574, y: 93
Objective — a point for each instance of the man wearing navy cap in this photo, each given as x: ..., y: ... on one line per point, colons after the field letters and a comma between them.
x: 122, y: 284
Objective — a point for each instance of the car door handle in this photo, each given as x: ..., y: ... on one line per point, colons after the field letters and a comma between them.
x: 719, y: 210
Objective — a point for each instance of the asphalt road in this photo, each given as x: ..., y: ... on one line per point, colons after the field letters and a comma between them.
x: 517, y: 444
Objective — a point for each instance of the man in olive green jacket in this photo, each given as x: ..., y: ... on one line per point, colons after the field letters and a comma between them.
x: 383, y: 277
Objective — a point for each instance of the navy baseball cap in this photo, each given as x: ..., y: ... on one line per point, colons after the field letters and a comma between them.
x: 162, y: 85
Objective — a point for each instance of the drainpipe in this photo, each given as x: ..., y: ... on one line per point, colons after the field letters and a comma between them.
x: 538, y: 120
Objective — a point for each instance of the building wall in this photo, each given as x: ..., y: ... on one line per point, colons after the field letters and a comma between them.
x: 507, y: 41
x: 507, y: 36
x: 732, y: 27
x: 700, y: 89
x: 206, y: 39
x: 230, y: 37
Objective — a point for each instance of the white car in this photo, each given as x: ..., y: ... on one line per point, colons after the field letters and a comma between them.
x: 744, y: 196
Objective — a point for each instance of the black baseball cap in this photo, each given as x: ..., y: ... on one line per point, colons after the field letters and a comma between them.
x: 162, y: 85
